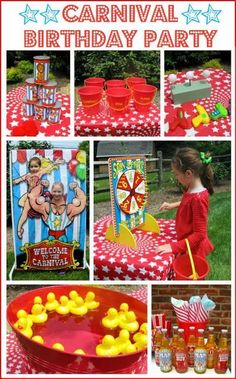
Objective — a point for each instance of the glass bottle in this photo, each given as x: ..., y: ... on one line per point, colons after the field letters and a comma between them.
x: 157, y: 344
x: 211, y: 347
x: 222, y: 354
x: 165, y: 354
x: 174, y: 343
x: 200, y: 354
x: 181, y: 358
x: 191, y: 345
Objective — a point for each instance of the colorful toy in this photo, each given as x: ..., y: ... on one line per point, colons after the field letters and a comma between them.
x: 130, y: 323
x: 38, y: 300
x: 122, y: 341
x: 63, y: 307
x: 80, y: 307
x: 90, y: 302
x: 202, y: 118
x: 38, y: 339
x: 180, y: 120
x: 141, y: 342
x: 38, y: 314
x: 79, y: 352
x: 142, y: 331
x: 58, y: 346
x: 219, y: 112
x: 112, y: 320
x: 124, y: 307
x: 24, y: 327
x: 72, y: 296
x: 130, y: 348
x: 22, y: 314
x: 191, y: 90
x: 52, y: 303
x: 107, y: 348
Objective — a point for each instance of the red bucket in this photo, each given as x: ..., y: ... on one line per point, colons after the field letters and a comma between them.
x: 77, y: 332
x: 143, y: 95
x: 90, y: 97
x: 98, y: 82
x: 114, y: 83
x: 183, y: 270
x: 118, y: 99
x: 186, y: 326
x: 135, y: 80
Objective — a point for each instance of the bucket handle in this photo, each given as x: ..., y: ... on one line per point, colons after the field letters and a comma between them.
x: 195, y: 275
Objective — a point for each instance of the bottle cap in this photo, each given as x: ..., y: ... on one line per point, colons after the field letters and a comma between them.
x: 180, y: 330
x: 201, y: 331
x: 164, y: 330
x: 192, y: 327
x: 175, y: 327
x: 211, y: 328
x: 224, y: 330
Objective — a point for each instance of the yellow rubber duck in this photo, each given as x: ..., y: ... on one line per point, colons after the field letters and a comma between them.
x: 52, y: 303
x: 122, y: 341
x: 80, y: 307
x: 107, y: 348
x: 141, y: 342
x: 63, y: 308
x: 130, y: 323
x: 130, y: 348
x: 111, y: 321
x: 72, y: 296
x: 79, y: 352
x: 38, y: 316
x: 38, y: 300
x: 24, y: 327
x: 38, y: 339
x: 58, y: 346
x: 22, y: 314
x: 90, y: 301
x: 124, y: 307
x: 142, y: 331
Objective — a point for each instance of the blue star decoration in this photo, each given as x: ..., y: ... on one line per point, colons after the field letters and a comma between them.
x: 29, y: 14
x: 211, y: 14
x: 191, y: 14
x: 50, y: 14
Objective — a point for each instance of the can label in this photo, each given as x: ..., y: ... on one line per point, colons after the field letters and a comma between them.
x: 200, y: 360
x: 40, y: 113
x: 165, y: 357
x: 49, y: 96
x: 54, y: 115
x: 28, y: 110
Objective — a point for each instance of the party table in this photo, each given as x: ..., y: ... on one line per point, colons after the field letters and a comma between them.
x: 15, y: 114
x: 220, y: 81
x: 132, y: 123
x: 17, y: 362
x: 115, y: 262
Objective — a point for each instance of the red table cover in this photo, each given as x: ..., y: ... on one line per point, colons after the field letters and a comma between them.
x: 220, y: 81
x: 132, y: 123
x: 115, y: 262
x: 16, y: 364
x: 15, y: 114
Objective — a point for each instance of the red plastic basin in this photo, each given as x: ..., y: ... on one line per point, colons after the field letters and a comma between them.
x: 91, y: 97
x: 183, y: 270
x: 134, y: 80
x: 143, y: 95
x: 118, y: 99
x: 94, y: 82
x: 76, y: 332
x: 114, y: 83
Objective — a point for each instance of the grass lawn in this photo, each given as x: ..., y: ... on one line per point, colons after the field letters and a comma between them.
x: 45, y: 275
x: 219, y: 230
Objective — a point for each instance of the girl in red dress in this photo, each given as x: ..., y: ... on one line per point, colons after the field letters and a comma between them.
x: 193, y: 170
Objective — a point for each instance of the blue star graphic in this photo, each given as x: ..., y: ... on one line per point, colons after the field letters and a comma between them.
x: 29, y: 15
x: 191, y: 14
x: 50, y: 14
x: 211, y: 14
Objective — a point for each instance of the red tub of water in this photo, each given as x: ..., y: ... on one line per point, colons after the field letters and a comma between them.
x: 143, y: 95
x: 91, y: 97
x: 186, y: 327
x: 76, y: 332
x: 135, y: 80
x: 99, y: 82
x: 183, y: 270
x: 118, y: 100
x: 114, y: 83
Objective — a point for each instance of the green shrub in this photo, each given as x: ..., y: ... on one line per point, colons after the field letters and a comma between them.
x: 213, y: 63
x: 26, y: 67
x: 14, y: 75
x: 221, y: 172
x: 51, y: 76
x: 168, y: 72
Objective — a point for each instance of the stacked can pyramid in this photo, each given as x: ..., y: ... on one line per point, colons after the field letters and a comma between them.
x: 40, y: 100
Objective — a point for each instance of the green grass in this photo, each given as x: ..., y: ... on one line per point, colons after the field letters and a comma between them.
x: 219, y: 231
x: 44, y: 275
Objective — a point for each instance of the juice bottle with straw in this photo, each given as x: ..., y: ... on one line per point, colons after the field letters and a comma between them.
x: 181, y: 359
x: 157, y: 344
x: 222, y: 354
x: 200, y: 354
x: 211, y: 347
x: 174, y: 343
x: 191, y: 345
x: 165, y: 354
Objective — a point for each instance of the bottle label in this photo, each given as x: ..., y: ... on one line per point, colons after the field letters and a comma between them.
x: 210, y: 357
x: 200, y: 360
x: 181, y: 361
x: 222, y: 362
x: 157, y: 358
x: 191, y: 355
x: 165, y: 357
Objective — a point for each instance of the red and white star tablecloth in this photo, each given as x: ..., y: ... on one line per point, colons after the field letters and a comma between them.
x: 17, y: 363
x: 15, y: 114
x: 115, y: 262
x: 132, y: 123
x: 220, y: 81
